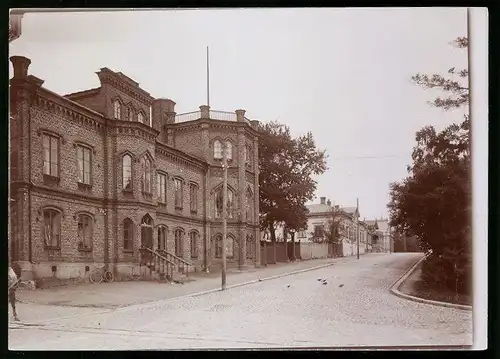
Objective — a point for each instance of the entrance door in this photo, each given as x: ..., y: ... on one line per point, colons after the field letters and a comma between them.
x: 147, y: 231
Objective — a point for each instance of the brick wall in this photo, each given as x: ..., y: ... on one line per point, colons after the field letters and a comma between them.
x: 38, y: 112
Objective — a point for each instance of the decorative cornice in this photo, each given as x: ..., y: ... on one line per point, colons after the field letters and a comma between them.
x: 180, y: 157
x: 71, y: 110
x: 163, y: 214
x: 83, y: 94
x: 132, y: 128
x: 106, y: 76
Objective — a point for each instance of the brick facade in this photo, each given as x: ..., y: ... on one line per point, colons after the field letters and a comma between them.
x: 86, y: 121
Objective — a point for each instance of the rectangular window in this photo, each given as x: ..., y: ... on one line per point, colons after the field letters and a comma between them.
x: 218, y: 247
x: 178, y: 193
x: 127, y: 235
x: 161, y: 185
x: 318, y: 231
x: 193, y: 197
x: 84, y: 164
x: 51, y: 155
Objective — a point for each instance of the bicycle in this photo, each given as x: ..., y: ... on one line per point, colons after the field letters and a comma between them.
x: 100, y: 274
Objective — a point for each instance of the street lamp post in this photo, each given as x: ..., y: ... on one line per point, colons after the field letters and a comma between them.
x: 224, y: 214
x: 292, y: 235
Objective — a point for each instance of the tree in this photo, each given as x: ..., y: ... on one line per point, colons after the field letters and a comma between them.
x: 286, y: 166
x: 434, y: 201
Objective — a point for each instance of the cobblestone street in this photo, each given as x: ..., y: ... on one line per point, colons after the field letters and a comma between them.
x: 353, y: 308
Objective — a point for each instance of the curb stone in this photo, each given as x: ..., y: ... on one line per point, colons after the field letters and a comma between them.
x: 394, y: 289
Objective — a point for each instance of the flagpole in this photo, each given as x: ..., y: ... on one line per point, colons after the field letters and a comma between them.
x: 357, y: 226
x: 208, y: 82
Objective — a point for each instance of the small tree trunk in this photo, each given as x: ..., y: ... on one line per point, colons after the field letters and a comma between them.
x: 285, y: 232
x: 273, y: 241
x: 293, y: 246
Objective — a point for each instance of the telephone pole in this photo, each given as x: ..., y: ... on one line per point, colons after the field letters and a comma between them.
x: 357, y: 226
x: 224, y: 214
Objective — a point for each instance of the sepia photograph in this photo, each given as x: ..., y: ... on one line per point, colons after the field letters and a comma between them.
x: 248, y: 179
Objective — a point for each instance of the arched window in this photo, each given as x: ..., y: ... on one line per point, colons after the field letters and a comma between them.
x: 85, y: 231
x: 248, y: 154
x: 217, y: 149
x: 84, y: 164
x: 127, y: 171
x: 249, y: 205
x: 51, y: 155
x: 218, y: 246
x: 250, y: 247
x: 179, y: 245
x: 219, y: 202
x: 146, y: 175
x: 193, y: 238
x: 229, y: 149
x: 161, y: 187
x: 140, y: 117
x: 128, y: 235
x: 130, y: 114
x: 230, y: 204
x: 117, y: 109
x: 162, y: 238
x: 229, y: 246
x: 179, y: 191
x: 52, y: 228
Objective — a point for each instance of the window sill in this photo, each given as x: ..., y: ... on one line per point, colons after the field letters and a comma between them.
x: 52, y: 248
x: 85, y: 249
x: 84, y: 186
x: 129, y: 251
x: 194, y: 211
x: 50, y: 180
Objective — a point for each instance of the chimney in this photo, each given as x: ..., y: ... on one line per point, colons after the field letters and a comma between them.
x: 240, y: 115
x: 205, y: 111
x: 322, y: 199
x: 254, y: 124
x: 20, y: 65
x: 163, y: 112
x: 329, y: 203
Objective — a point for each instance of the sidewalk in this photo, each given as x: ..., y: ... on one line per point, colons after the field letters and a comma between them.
x: 120, y: 294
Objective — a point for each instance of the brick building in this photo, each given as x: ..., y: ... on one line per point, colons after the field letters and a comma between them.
x: 97, y: 174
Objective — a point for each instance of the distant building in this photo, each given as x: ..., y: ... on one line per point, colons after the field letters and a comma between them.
x: 381, y: 235
x: 318, y: 219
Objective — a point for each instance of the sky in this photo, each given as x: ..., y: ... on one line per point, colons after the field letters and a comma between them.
x: 343, y: 74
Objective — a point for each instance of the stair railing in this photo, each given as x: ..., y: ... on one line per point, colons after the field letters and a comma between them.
x: 160, y: 263
x: 182, y: 264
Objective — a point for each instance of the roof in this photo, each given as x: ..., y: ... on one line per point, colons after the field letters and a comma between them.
x: 383, y: 224
x: 349, y: 210
x: 319, y: 208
